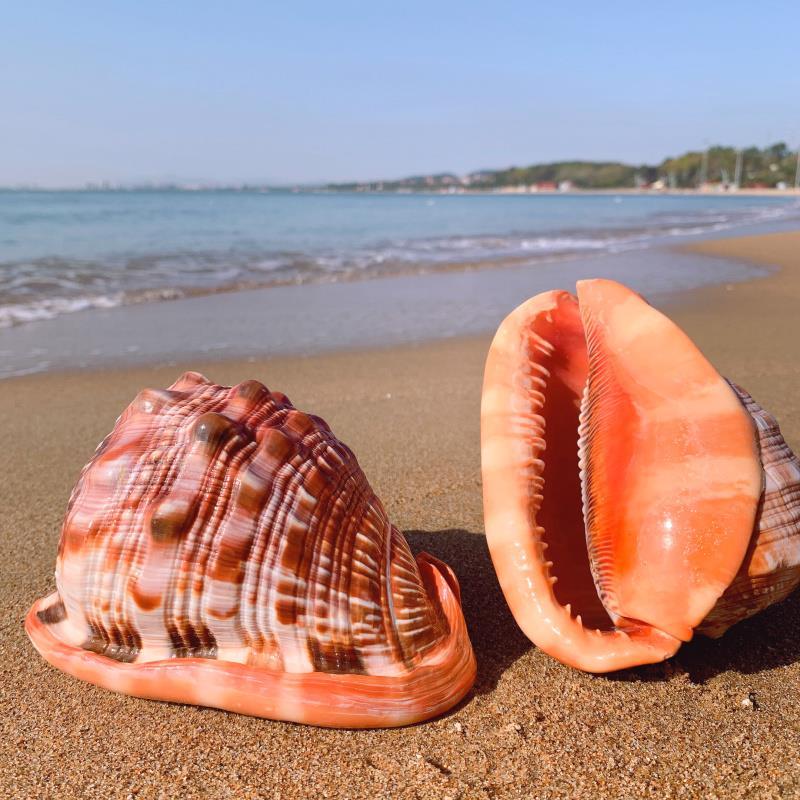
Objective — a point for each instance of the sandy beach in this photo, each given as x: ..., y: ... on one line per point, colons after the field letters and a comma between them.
x: 720, y: 720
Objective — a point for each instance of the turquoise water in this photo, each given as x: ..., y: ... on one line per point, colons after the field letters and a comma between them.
x: 68, y: 251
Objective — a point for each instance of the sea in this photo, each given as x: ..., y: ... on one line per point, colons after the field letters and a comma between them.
x: 76, y: 265
x: 62, y: 252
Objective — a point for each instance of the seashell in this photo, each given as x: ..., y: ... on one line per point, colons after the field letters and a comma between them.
x: 224, y: 549
x: 631, y: 494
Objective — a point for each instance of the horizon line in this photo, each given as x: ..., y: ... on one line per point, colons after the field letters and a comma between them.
x: 211, y: 185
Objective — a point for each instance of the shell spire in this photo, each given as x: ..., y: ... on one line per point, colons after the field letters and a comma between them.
x: 223, y: 548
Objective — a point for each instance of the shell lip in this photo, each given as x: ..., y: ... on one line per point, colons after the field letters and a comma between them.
x: 542, y: 357
x: 340, y: 700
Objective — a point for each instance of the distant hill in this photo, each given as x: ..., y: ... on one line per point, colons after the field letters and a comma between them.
x: 766, y: 167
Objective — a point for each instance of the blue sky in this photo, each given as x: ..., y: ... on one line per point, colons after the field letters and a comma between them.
x: 305, y: 91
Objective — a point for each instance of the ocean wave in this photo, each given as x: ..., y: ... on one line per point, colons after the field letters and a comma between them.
x: 39, y: 289
x: 47, y: 308
x: 51, y: 307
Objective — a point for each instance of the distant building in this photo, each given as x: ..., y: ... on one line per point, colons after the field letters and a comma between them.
x: 566, y: 186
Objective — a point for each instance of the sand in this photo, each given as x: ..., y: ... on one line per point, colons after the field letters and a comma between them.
x: 721, y: 719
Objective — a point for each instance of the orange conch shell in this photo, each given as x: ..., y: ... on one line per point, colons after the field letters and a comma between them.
x: 631, y: 494
x: 225, y: 549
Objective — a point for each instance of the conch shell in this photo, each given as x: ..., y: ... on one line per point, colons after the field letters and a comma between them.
x: 224, y: 549
x: 631, y: 494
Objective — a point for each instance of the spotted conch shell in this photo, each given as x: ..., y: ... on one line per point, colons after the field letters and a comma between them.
x: 224, y: 549
x: 632, y: 496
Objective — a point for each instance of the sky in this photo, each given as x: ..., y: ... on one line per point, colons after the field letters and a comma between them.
x: 305, y: 92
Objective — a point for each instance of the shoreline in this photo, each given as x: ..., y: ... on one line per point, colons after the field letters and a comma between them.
x: 626, y: 190
x: 781, y: 253
x: 302, y: 319
x: 84, y: 281
x: 720, y: 718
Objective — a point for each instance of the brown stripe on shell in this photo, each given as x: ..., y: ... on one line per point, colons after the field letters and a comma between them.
x: 53, y: 614
x: 770, y: 571
x: 114, y: 647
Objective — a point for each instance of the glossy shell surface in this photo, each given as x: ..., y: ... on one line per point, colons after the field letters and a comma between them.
x: 223, y: 548
x: 631, y: 494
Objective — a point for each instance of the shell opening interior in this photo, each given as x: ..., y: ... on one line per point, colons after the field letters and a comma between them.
x: 622, y: 479
x: 560, y: 509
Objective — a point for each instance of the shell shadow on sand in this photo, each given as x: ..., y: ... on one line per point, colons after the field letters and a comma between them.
x: 767, y: 641
x: 496, y: 639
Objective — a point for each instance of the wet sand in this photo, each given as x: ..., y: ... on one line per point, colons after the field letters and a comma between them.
x: 332, y: 317
x: 721, y: 719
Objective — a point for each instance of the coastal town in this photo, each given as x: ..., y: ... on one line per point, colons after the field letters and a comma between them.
x: 773, y: 169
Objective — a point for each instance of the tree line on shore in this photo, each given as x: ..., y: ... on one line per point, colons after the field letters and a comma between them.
x: 752, y: 167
